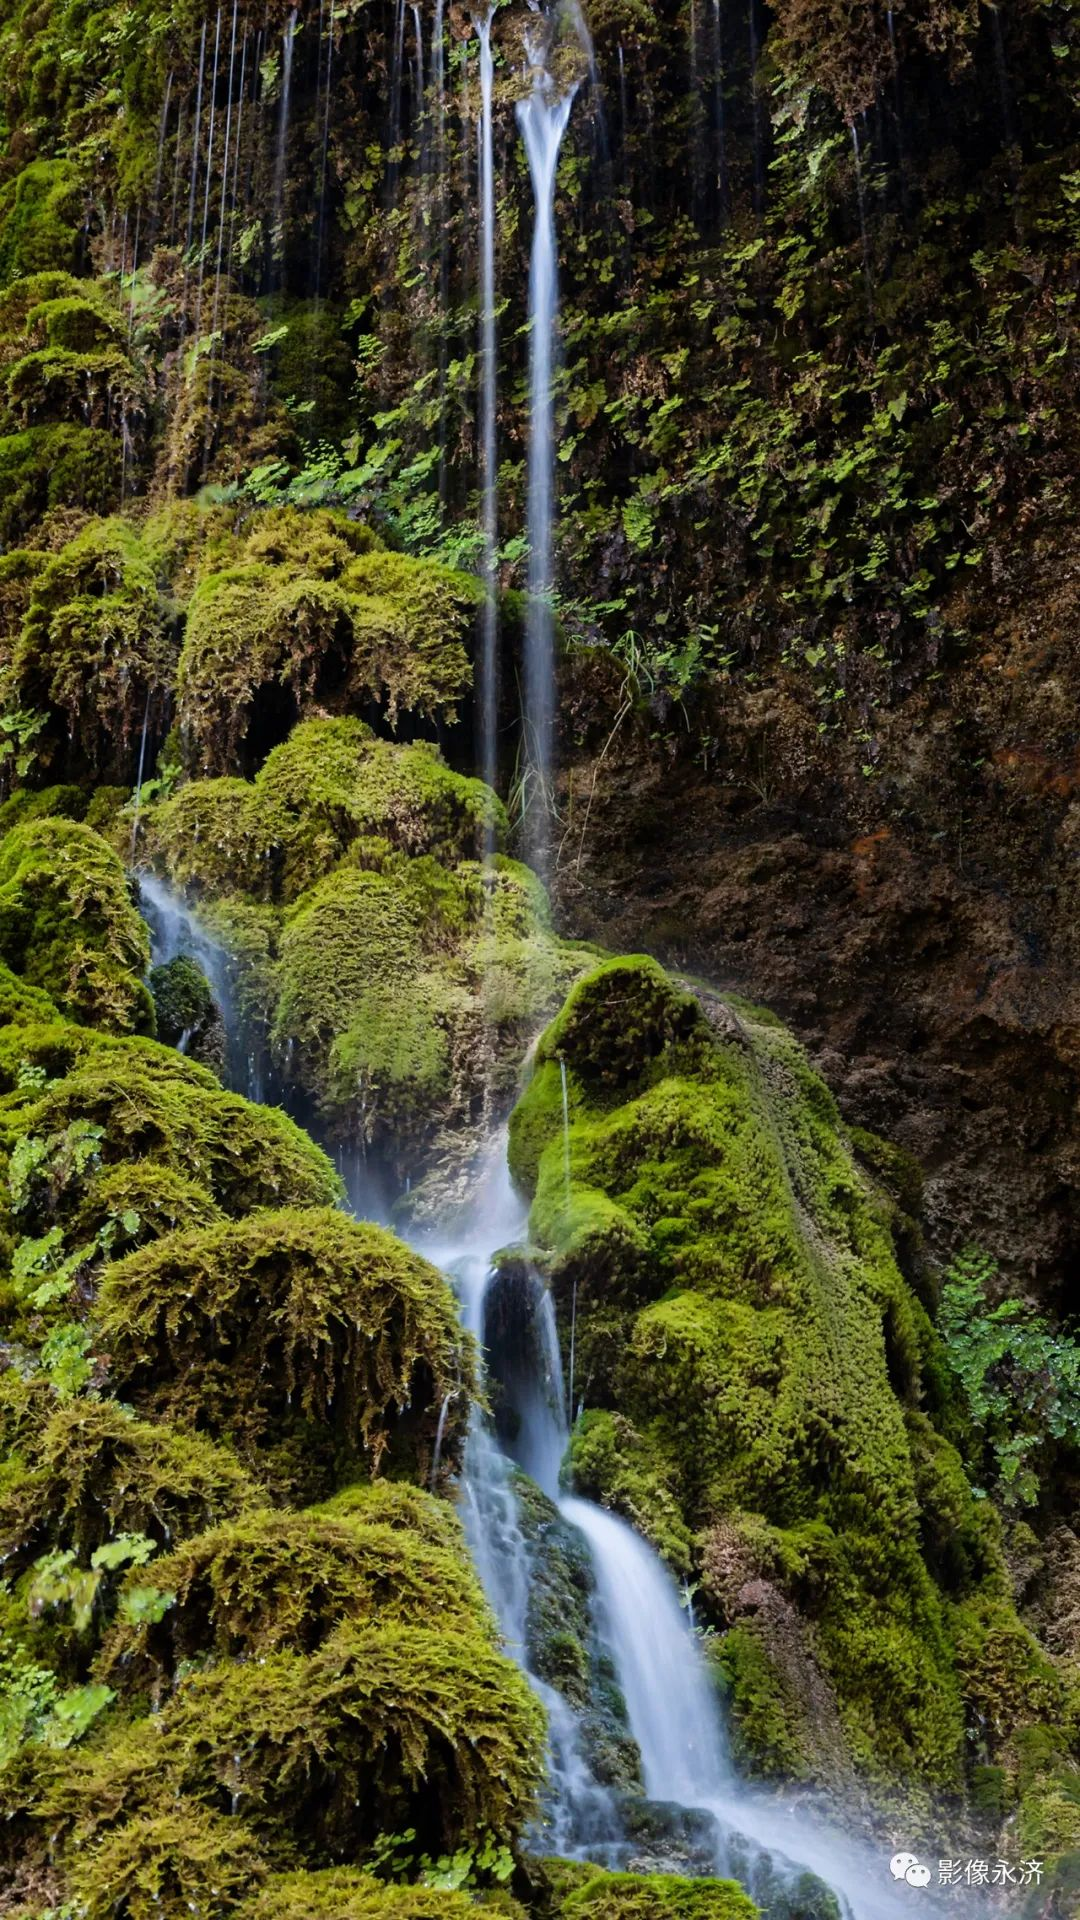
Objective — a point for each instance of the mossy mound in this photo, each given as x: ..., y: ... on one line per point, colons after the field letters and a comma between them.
x: 93, y: 645
x: 658, y: 1896
x: 395, y: 974
x: 299, y: 1331
x: 41, y: 212
x: 139, y: 1112
x: 68, y: 925
x: 752, y: 1359
x: 342, y: 1894
x: 92, y: 1471
x: 283, y: 1582
x: 300, y: 621
x: 382, y: 1729
x: 167, y: 1865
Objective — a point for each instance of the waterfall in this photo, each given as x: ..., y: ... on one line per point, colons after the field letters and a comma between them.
x: 489, y: 512
x: 175, y: 929
x: 543, y: 118
x: 672, y: 1706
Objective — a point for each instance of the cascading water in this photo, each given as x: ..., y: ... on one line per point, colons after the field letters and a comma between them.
x: 543, y: 118
x: 785, y: 1853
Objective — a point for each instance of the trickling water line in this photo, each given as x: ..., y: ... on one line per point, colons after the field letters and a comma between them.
x: 543, y: 118
x: 567, y: 1192
x: 278, y: 240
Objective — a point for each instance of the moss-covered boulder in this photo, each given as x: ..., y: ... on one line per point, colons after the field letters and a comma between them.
x: 395, y: 974
x: 68, y: 925
x: 343, y: 1894
x: 627, y: 1896
x: 90, y: 1471
x: 382, y: 1729
x: 283, y: 1582
x: 752, y: 1363
x: 312, y: 614
x: 301, y: 1333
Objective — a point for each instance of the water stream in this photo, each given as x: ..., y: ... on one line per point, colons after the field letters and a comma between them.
x: 543, y: 117
x: 489, y: 510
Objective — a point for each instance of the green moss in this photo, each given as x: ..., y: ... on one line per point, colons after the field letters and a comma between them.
x: 343, y: 1894
x: 65, y: 465
x: 746, y: 1343
x: 92, y: 1470
x: 382, y: 1729
x: 304, y: 619
x: 303, y: 1332
x: 68, y: 925
x: 283, y: 1582
x: 96, y: 643
x: 628, y: 1896
x: 167, y: 1865
x: 41, y: 212
x: 144, y: 1103
x: 187, y: 1014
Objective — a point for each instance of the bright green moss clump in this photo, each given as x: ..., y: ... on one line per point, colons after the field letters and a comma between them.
x: 753, y: 1361
x: 309, y: 614
x: 301, y: 1331
x: 342, y: 1894
x: 658, y: 1896
x: 402, y: 973
x: 67, y: 924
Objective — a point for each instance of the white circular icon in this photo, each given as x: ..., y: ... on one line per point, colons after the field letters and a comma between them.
x: 901, y: 1865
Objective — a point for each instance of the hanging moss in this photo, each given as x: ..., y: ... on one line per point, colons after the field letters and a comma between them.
x: 44, y: 467
x: 146, y: 1104
x: 68, y: 925
x: 95, y: 645
x: 301, y: 1331
x: 166, y: 1866
x: 41, y: 211
x: 659, y: 1896
x: 92, y: 1470
x: 283, y: 1582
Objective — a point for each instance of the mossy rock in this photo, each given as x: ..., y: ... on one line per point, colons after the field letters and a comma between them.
x: 95, y: 648
x: 659, y: 1896
x: 382, y: 1729
x: 304, y: 1332
x: 284, y: 1582
x: 41, y: 212
x: 747, y: 1344
x: 68, y: 925
x: 310, y: 616
x: 92, y: 1470
x: 167, y: 1865
x: 144, y: 1104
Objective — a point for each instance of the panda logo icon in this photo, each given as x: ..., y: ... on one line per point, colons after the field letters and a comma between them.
x: 902, y: 1864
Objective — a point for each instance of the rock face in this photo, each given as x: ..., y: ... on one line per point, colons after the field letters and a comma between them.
x: 916, y: 928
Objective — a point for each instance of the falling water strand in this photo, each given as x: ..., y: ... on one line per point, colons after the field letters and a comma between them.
x: 755, y: 106
x: 489, y: 509
x: 566, y: 1199
x: 224, y: 191
x: 438, y: 70
x: 236, y: 156
x: 324, y: 149
x: 397, y: 74
x: 175, y: 200
x: 720, y: 110
x: 139, y: 774
x: 209, y: 175
x: 697, y: 128
x: 543, y: 118
x: 278, y: 236
x: 194, y: 166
